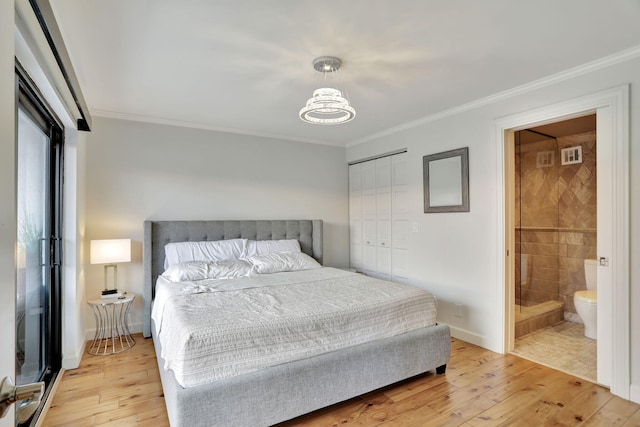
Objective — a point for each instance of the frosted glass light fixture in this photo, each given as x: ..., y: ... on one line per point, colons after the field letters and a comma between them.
x: 327, y: 106
x: 110, y: 252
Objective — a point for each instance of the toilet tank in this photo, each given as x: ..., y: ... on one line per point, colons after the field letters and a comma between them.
x: 591, y: 273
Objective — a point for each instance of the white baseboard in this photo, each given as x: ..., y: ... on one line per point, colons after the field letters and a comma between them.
x: 634, y: 393
x: 468, y: 336
x: 73, y: 361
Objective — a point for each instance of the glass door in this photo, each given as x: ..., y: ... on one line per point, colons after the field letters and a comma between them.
x: 39, y: 183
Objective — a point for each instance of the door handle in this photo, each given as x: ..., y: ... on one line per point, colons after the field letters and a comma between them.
x: 30, y: 393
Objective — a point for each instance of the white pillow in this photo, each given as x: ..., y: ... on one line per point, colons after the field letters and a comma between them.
x: 204, y: 251
x: 190, y: 270
x: 228, y: 269
x: 200, y: 270
x: 283, y: 261
x: 261, y: 247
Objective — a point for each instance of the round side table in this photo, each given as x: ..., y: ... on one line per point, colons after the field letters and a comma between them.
x: 112, y: 325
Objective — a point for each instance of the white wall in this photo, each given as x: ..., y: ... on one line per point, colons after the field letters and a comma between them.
x: 73, y: 290
x: 8, y: 227
x: 455, y: 255
x: 138, y: 171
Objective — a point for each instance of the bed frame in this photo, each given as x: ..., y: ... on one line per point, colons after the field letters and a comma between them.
x: 285, y: 391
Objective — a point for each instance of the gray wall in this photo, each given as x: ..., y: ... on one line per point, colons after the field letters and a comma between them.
x: 137, y: 171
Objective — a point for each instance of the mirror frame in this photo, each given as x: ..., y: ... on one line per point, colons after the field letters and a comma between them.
x: 463, y: 153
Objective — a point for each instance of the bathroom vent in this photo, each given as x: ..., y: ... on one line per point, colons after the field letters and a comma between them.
x: 544, y: 159
x: 571, y: 155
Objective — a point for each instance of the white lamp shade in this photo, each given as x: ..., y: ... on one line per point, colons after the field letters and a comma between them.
x: 110, y: 251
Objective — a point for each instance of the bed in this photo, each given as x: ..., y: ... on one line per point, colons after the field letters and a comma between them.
x: 261, y: 396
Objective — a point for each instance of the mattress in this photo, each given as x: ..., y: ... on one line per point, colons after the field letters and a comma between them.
x: 215, y: 329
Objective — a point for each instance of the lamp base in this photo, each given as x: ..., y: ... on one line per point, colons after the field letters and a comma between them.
x: 109, y: 291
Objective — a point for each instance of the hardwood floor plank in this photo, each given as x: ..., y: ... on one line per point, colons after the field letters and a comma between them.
x: 634, y: 420
x: 480, y: 388
x: 514, y: 407
x: 461, y: 412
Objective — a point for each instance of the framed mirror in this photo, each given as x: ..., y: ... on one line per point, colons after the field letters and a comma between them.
x: 446, y: 181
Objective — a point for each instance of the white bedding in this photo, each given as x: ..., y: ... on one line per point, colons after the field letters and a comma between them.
x: 213, y: 329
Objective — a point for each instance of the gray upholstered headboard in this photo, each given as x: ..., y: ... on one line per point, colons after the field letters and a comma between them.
x: 159, y: 233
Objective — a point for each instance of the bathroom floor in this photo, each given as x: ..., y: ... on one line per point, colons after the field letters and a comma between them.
x: 562, y: 346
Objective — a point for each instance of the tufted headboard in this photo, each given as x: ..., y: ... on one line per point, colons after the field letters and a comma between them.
x: 159, y: 233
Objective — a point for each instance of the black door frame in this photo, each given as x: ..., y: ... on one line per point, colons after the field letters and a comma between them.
x: 31, y: 100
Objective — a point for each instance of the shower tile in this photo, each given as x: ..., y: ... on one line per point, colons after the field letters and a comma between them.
x: 590, y: 238
x: 544, y: 273
x: 549, y: 287
x: 532, y: 318
x: 563, y: 250
x: 539, y: 248
x: 571, y: 264
x: 544, y: 261
x: 552, y: 200
x: 580, y: 252
x: 571, y: 238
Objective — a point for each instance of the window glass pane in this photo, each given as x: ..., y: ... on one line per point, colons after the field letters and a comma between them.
x: 32, y: 280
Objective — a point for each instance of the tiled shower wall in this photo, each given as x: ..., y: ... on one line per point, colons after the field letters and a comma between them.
x: 555, y: 219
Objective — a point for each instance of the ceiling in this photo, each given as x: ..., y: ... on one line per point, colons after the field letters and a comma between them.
x: 246, y: 66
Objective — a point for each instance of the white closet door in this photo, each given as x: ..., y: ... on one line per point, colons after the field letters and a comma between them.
x: 368, y: 176
x: 356, y: 257
x: 369, y: 259
x: 383, y: 174
x: 378, y: 216
x: 383, y: 233
x: 355, y: 216
x: 355, y: 231
x: 369, y: 232
x: 369, y: 205
x: 400, y: 234
x: 383, y: 216
x: 355, y: 205
x: 400, y: 216
x: 383, y: 205
x: 384, y: 262
x: 399, y: 165
x: 355, y: 177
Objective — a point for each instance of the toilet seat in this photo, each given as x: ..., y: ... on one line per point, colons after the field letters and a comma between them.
x: 587, y: 297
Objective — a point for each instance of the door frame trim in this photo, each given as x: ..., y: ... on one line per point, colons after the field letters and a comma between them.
x: 617, y: 101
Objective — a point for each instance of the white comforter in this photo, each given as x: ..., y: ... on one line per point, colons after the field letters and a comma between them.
x: 213, y: 329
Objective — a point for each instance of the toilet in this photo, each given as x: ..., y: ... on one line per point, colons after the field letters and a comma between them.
x: 586, y: 302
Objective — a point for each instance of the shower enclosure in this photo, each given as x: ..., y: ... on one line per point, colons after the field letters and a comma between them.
x: 555, y: 224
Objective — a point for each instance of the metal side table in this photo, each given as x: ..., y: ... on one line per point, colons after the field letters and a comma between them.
x: 112, y: 325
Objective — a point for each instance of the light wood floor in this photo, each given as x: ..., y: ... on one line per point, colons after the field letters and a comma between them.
x: 480, y: 388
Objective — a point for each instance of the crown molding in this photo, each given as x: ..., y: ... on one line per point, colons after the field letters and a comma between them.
x: 204, y: 126
x: 589, y: 67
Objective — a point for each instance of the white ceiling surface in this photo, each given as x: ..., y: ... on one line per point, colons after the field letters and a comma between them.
x: 246, y: 66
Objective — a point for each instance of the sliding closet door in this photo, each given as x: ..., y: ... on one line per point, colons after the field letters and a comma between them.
x: 369, y: 225
x: 400, y: 217
x: 379, y: 217
x: 383, y: 217
x: 355, y: 215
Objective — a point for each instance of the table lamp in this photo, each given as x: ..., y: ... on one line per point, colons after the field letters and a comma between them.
x: 110, y: 252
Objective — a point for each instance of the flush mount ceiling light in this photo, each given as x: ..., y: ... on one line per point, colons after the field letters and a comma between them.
x: 327, y: 106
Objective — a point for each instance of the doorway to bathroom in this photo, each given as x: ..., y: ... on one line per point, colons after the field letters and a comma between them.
x: 555, y: 229
x: 611, y: 108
